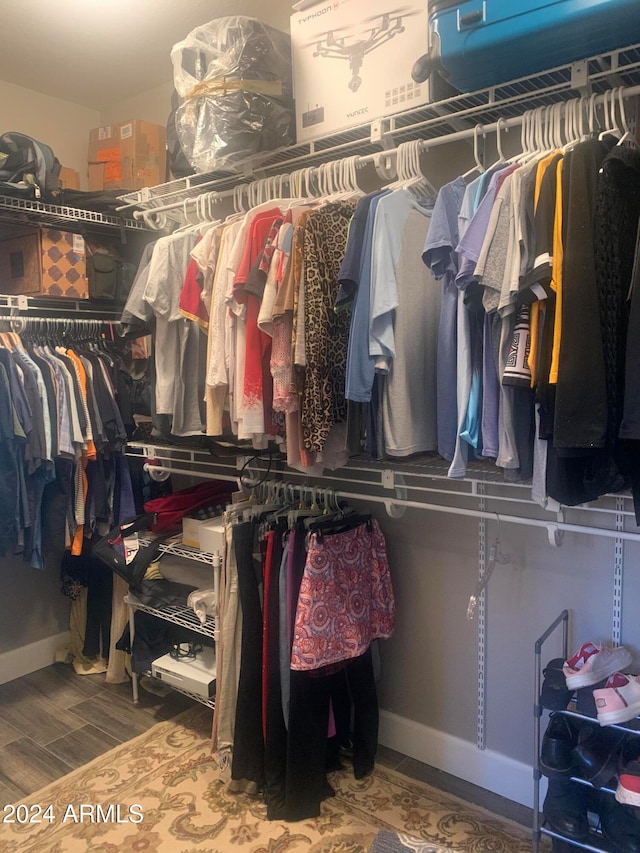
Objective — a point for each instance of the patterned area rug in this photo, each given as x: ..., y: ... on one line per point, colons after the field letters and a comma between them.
x: 162, y: 792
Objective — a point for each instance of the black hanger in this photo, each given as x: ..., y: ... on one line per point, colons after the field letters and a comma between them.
x: 340, y: 523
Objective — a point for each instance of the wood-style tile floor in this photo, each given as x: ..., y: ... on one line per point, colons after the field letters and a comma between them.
x: 54, y: 721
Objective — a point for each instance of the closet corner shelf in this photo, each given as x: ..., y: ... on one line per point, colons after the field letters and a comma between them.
x: 508, y: 100
x: 178, y: 615
x: 22, y: 211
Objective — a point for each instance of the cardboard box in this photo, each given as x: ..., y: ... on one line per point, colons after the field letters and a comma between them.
x: 46, y: 261
x: 20, y: 265
x: 212, y: 536
x: 352, y: 62
x: 127, y: 156
x: 69, y: 178
x: 191, y: 531
x: 206, y: 534
x: 64, y: 264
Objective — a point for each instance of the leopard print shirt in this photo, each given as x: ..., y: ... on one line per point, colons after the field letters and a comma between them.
x: 327, y: 332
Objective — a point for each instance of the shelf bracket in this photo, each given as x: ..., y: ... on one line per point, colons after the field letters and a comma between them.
x: 580, y: 76
x: 395, y: 481
x: 554, y: 532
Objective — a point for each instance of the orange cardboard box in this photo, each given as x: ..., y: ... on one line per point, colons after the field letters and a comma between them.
x: 127, y: 156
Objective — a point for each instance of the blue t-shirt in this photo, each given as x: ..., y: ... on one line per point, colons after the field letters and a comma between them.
x: 349, y: 275
x: 440, y: 256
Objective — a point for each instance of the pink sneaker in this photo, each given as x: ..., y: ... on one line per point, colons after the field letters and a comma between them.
x: 619, y: 700
x: 593, y: 663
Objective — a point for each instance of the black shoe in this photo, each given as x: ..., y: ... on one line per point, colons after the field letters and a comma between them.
x: 565, y: 809
x: 596, y: 755
x: 619, y: 826
x: 556, y: 752
x: 555, y: 695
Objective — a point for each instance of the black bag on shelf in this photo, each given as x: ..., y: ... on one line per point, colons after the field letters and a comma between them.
x: 179, y: 166
x: 109, y: 277
x: 28, y: 167
x: 110, y: 550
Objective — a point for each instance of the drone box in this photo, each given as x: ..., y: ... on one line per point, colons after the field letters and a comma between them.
x: 352, y: 62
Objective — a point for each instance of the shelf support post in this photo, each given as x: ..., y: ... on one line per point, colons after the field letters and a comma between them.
x: 618, y: 572
x: 482, y: 635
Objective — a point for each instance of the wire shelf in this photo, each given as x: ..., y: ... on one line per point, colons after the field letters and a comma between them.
x: 183, y: 616
x: 179, y: 550
x: 59, y: 307
x: 22, y: 211
x: 438, y: 119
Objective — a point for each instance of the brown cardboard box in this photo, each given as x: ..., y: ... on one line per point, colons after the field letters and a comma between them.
x: 64, y: 264
x: 45, y: 261
x: 20, y: 263
x: 69, y: 178
x: 127, y: 156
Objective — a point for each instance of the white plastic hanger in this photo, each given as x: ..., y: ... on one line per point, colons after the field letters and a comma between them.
x: 627, y: 137
x: 478, y: 167
x: 608, y: 128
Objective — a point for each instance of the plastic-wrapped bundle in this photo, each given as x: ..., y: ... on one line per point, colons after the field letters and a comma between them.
x: 233, y: 76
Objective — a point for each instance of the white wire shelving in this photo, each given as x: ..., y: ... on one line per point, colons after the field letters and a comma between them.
x: 433, y: 122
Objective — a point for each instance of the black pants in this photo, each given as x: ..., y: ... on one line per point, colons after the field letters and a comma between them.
x: 275, y: 745
x: 248, y: 749
x: 308, y: 750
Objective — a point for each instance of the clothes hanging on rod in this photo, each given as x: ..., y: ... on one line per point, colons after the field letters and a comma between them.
x: 487, y: 366
x: 245, y: 299
x: 549, y: 280
x: 295, y: 653
x: 66, y: 412
x: 66, y: 425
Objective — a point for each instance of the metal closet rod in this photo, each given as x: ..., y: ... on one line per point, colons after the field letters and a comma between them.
x: 426, y: 144
x: 403, y: 502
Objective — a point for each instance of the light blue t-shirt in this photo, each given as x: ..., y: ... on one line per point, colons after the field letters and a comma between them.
x: 360, y: 364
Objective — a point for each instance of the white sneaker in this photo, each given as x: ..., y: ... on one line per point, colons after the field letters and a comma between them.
x: 619, y: 700
x: 593, y: 663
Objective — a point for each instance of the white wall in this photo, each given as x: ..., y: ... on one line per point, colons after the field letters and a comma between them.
x: 60, y: 124
x: 153, y: 105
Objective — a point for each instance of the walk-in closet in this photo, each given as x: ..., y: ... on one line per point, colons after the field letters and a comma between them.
x: 390, y: 363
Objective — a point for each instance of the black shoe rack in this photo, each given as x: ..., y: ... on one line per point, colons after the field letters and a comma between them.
x: 604, y: 813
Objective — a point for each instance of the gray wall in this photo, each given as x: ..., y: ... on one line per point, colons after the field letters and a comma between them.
x: 429, y: 667
x: 32, y: 607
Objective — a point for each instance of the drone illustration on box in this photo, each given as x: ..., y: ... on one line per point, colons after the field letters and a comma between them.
x: 354, y: 48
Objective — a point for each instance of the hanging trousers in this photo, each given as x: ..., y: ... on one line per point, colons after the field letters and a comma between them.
x: 274, y: 726
x: 309, y: 752
x: 247, y: 764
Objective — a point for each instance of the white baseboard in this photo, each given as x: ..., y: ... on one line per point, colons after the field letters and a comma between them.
x: 26, y: 659
x: 483, y: 767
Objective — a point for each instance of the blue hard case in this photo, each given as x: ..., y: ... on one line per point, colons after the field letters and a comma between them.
x: 479, y: 43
